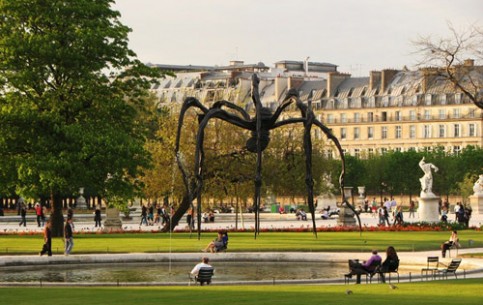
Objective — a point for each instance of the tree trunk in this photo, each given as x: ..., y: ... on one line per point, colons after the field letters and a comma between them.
x: 56, y: 216
x: 183, y: 207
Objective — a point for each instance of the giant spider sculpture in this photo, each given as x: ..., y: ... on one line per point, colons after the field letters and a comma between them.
x: 260, y: 127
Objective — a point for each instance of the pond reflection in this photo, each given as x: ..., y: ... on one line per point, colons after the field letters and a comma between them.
x: 175, y: 272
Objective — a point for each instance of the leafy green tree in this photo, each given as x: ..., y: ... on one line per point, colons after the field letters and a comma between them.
x: 70, y: 101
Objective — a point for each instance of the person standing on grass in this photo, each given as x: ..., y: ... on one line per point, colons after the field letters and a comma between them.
x: 68, y: 236
x: 47, y: 247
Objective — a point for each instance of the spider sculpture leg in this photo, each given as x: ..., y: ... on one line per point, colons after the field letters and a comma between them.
x: 199, y: 153
x: 258, y: 175
x: 309, y: 181
x: 187, y: 199
x: 331, y: 136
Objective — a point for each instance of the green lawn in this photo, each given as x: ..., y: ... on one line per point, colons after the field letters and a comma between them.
x: 241, y: 242
x: 455, y: 292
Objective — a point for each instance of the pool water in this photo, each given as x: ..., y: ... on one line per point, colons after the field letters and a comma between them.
x: 175, y: 272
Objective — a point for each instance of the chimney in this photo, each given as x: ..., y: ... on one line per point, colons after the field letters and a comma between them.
x: 334, y: 80
x: 386, y: 77
x: 429, y: 75
x: 295, y: 82
x: 469, y: 62
x: 374, y: 79
x: 281, y: 84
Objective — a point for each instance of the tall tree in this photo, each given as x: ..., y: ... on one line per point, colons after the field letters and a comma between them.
x: 70, y: 97
x: 453, y: 56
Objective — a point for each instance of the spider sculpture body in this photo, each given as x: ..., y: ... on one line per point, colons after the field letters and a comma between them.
x: 259, y: 126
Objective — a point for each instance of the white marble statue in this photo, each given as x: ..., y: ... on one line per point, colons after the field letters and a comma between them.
x: 427, y: 179
x: 478, y: 187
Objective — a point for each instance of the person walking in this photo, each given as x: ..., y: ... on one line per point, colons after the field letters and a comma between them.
x: 412, y: 208
x: 47, y: 247
x: 38, y: 212
x: 23, y: 215
x: 68, y: 236
x: 144, y: 214
x: 97, y: 216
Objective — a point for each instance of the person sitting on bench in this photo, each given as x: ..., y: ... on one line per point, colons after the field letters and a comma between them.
x: 366, y: 267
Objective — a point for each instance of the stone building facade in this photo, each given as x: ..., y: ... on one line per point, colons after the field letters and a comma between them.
x: 387, y: 110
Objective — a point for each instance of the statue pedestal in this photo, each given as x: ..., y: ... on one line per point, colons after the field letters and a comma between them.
x: 81, y: 203
x: 428, y: 208
x: 476, y: 202
x: 346, y: 217
x: 113, y: 221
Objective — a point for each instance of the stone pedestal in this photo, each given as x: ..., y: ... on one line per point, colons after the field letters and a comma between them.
x: 113, y: 221
x: 346, y: 217
x: 428, y: 208
x: 80, y: 203
x: 324, y: 201
x: 476, y: 202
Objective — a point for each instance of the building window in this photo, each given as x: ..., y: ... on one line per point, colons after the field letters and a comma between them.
x: 370, y: 152
x: 428, y: 99
x: 343, y: 133
x: 329, y: 154
x: 442, y: 114
x: 427, y: 131
x: 383, y: 150
x: 457, y: 98
x: 384, y: 132
x: 456, y: 113
x: 472, y: 113
x: 357, y: 133
x: 442, y: 131
x: 397, y: 115
x: 427, y: 114
x: 370, y: 132
x: 412, y: 115
x: 357, y: 153
x: 370, y: 117
x: 398, y: 132
x: 330, y: 118
x: 384, y: 116
x: 343, y: 118
x: 456, y: 130
x: 412, y: 132
x: 398, y: 149
x: 357, y: 117
x: 472, y: 130
x: 456, y: 149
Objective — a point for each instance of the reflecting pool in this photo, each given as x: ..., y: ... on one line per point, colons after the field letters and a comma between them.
x: 172, y: 272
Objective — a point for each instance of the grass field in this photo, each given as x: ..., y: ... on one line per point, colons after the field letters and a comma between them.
x: 241, y: 242
x: 455, y: 292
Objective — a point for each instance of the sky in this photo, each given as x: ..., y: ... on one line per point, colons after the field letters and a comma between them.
x: 357, y: 35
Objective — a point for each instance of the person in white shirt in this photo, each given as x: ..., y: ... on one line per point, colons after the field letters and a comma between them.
x: 204, y: 264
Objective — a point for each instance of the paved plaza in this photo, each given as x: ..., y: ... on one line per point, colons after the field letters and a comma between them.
x: 222, y: 221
